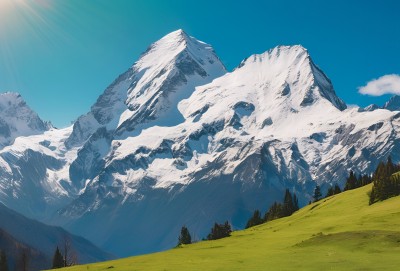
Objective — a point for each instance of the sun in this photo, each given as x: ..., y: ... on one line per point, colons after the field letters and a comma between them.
x: 6, y: 5
x: 21, y: 21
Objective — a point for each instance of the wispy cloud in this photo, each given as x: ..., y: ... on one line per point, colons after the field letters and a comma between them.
x: 387, y: 84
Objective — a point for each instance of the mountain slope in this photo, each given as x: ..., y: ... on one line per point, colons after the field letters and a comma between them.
x: 341, y: 232
x: 176, y: 140
x: 34, y: 175
x: 18, y: 119
x: 273, y: 123
x: 14, y: 249
x: 393, y: 105
x: 42, y: 239
x: 166, y: 73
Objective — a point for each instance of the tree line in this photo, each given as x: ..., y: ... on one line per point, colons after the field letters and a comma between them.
x: 3, y: 261
x: 68, y: 258
x: 277, y: 210
x: 218, y: 231
x: 386, y: 183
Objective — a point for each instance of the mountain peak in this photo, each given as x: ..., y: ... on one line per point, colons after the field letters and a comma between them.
x: 174, y: 46
x: 17, y: 118
x: 10, y: 97
x: 297, y: 49
x: 291, y: 67
x: 393, y: 104
x: 166, y: 73
x: 286, y: 54
x: 176, y: 35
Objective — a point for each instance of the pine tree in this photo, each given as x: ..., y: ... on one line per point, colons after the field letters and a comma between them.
x: 227, y: 229
x: 372, y: 196
x: 333, y: 190
x: 365, y: 180
x: 386, y: 184
x: 337, y: 189
x: 295, y: 203
x: 22, y: 262
x: 317, y: 193
x: 3, y: 261
x: 58, y: 259
x: 288, y: 207
x: 351, y: 182
x: 220, y: 231
x: 274, y: 212
x: 184, y: 237
x: 330, y: 192
x: 255, y: 219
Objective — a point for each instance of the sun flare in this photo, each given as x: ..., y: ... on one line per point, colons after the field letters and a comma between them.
x: 21, y: 20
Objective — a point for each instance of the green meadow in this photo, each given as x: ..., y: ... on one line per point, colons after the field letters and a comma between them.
x: 342, y: 232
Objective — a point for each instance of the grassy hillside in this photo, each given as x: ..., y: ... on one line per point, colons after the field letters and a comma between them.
x: 338, y: 233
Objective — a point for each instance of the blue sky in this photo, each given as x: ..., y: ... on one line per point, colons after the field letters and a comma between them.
x: 62, y: 54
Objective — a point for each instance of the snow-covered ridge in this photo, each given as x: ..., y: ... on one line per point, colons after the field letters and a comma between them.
x: 284, y: 64
x: 166, y: 73
x: 177, y: 138
x: 17, y: 119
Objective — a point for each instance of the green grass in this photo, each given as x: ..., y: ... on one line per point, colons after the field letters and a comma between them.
x: 338, y: 233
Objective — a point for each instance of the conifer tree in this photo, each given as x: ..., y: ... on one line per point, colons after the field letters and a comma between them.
x: 330, y: 192
x: 386, y: 184
x: 22, y: 262
x: 227, y: 229
x: 255, y: 219
x: 333, y: 190
x: 295, y: 203
x: 351, y: 181
x: 220, y: 231
x: 184, y: 237
x: 274, y: 212
x: 3, y: 261
x: 317, y: 193
x: 288, y: 206
x: 337, y: 190
x: 58, y: 259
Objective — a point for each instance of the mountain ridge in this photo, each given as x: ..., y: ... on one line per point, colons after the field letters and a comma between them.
x: 41, y: 240
x: 177, y: 137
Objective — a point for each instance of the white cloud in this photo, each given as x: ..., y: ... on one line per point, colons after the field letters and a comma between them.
x: 387, y: 84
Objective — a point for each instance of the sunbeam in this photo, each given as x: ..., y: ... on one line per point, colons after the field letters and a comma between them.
x: 22, y: 23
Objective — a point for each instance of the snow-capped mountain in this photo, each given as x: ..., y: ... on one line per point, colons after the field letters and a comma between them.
x: 147, y: 94
x: 176, y: 140
x: 17, y: 119
x: 393, y: 105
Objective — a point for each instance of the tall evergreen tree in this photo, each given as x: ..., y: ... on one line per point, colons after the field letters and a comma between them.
x: 22, y: 263
x: 333, y: 190
x: 295, y: 203
x: 330, y: 192
x: 274, y: 212
x: 288, y: 206
x: 337, y: 190
x: 3, y: 261
x: 58, y: 259
x: 317, y: 193
x: 351, y: 181
x: 220, y: 231
x: 184, y: 238
x: 255, y: 219
x: 386, y: 184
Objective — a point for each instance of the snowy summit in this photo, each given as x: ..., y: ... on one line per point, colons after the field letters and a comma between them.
x: 177, y: 140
